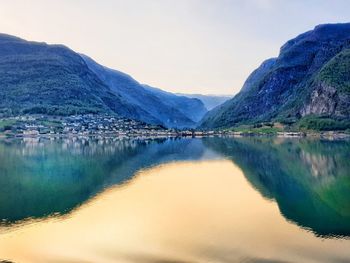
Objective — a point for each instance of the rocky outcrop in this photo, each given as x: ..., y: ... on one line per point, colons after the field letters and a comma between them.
x: 323, y: 101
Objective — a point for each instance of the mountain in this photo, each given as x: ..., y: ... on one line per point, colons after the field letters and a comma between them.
x: 37, y: 78
x: 169, y: 109
x: 308, y: 81
x: 209, y: 101
x: 52, y: 79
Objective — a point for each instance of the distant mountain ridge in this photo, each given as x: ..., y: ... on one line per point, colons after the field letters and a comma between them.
x: 37, y: 78
x: 209, y: 101
x: 310, y: 77
x: 193, y: 108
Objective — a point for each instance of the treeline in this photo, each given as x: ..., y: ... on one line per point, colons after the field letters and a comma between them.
x: 323, y: 123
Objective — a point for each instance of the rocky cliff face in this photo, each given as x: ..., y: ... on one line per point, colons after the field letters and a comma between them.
x: 310, y: 76
x: 323, y: 100
x: 331, y: 88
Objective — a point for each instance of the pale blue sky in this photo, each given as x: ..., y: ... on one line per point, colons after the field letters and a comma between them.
x: 192, y: 46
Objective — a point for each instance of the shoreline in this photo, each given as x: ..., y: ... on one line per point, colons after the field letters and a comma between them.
x: 329, y: 135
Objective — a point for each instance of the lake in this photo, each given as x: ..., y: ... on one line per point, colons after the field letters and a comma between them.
x: 174, y: 200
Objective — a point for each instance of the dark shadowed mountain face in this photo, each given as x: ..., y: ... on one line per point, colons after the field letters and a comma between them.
x: 309, y: 77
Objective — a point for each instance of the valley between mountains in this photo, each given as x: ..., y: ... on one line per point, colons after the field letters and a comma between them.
x: 307, y: 87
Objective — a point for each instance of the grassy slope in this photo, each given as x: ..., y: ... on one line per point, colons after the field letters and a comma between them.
x: 52, y: 79
x: 337, y: 72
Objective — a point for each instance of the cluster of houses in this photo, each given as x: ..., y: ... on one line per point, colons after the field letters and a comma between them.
x: 96, y: 124
x: 86, y: 125
x: 29, y: 125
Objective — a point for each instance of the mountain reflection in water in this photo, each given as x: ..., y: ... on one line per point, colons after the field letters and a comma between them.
x: 309, y: 179
x: 221, y: 202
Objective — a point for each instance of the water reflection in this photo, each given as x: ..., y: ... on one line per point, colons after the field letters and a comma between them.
x: 42, y: 177
x: 183, y: 212
x: 309, y: 179
x: 195, y: 211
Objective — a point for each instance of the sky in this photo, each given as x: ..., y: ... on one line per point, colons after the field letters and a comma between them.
x: 188, y: 46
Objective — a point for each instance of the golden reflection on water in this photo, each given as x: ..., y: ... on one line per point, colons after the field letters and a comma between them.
x: 179, y: 212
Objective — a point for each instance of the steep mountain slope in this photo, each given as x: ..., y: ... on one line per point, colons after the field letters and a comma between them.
x: 331, y: 88
x: 209, y: 101
x: 169, y: 109
x: 52, y: 79
x: 191, y: 107
x: 309, y: 77
x: 38, y: 78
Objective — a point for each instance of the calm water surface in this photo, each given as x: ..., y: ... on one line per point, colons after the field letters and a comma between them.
x: 176, y: 200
